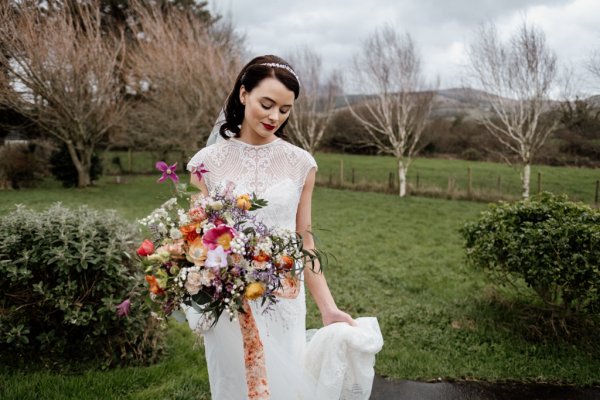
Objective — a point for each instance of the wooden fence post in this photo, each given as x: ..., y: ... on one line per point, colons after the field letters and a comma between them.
x: 417, y: 180
x: 469, y: 181
x: 129, y: 161
x: 341, y: 172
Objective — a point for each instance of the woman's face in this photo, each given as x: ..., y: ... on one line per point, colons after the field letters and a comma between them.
x: 267, y: 107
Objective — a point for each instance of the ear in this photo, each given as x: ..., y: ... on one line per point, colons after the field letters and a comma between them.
x: 243, y: 95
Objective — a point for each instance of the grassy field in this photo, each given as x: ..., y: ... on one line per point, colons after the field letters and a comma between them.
x: 399, y: 260
x: 433, y: 173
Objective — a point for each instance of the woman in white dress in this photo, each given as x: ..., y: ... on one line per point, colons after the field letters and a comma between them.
x: 257, y: 160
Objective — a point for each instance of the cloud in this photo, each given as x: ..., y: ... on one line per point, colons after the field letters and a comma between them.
x: 442, y: 29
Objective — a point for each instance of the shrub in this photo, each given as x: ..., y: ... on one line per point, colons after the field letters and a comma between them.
x: 62, y: 167
x: 21, y: 165
x: 63, y: 274
x: 551, y: 243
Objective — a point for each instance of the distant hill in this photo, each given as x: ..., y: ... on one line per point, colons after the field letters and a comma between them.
x: 448, y: 103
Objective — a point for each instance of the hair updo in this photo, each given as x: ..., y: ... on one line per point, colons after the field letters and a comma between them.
x: 250, y: 76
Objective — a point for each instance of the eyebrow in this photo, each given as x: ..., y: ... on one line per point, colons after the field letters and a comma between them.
x: 273, y: 101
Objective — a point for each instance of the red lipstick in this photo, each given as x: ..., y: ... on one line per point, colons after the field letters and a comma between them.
x: 268, y: 127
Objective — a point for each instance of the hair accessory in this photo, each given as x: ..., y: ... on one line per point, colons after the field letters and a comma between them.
x: 283, y: 66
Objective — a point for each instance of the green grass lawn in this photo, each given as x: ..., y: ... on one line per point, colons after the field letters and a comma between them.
x: 398, y: 259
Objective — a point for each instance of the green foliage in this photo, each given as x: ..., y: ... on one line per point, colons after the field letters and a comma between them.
x: 63, y: 274
x: 549, y: 242
x: 62, y: 167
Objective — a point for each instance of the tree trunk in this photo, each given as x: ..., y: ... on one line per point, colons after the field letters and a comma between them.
x: 401, y: 178
x: 83, y: 165
x: 525, y: 178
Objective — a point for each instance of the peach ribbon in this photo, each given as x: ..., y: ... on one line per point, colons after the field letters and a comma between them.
x: 254, y: 356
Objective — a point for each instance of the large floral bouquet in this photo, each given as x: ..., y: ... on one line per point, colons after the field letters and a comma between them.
x: 216, y: 255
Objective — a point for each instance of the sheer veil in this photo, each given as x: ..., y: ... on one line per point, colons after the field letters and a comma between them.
x: 214, y: 133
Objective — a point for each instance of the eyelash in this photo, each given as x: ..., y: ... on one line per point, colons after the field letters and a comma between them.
x: 269, y: 107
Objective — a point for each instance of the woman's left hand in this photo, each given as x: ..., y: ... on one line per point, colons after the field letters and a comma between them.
x: 337, y: 315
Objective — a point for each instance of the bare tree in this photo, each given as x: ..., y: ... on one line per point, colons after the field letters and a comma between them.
x: 314, y: 108
x: 518, y: 77
x: 594, y: 64
x: 388, y: 69
x: 180, y: 71
x: 61, y: 73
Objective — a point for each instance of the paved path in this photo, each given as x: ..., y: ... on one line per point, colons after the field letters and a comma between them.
x: 384, y: 389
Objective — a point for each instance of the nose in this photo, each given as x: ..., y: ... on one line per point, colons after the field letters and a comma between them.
x: 274, y: 115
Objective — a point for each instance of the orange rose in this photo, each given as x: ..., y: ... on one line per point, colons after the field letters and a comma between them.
x: 261, y: 257
x: 189, y: 232
x: 154, y: 288
x: 286, y: 262
x: 197, y: 252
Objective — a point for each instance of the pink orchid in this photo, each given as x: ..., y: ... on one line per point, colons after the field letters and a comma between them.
x: 168, y: 171
x: 222, y: 236
x: 199, y: 171
x: 123, y: 308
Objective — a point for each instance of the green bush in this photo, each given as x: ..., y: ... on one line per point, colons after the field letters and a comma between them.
x: 549, y: 242
x: 63, y: 274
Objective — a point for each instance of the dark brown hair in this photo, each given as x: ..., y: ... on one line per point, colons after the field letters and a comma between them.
x: 250, y: 76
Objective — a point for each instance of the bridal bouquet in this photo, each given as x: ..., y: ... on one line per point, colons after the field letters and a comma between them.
x: 215, y: 254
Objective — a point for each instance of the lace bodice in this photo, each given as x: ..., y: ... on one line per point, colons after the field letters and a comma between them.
x: 275, y: 171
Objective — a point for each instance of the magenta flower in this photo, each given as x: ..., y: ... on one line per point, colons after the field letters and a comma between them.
x: 222, y: 236
x: 123, y: 308
x: 199, y: 171
x: 168, y: 171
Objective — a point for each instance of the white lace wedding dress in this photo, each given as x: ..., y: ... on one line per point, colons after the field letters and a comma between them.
x: 337, y: 362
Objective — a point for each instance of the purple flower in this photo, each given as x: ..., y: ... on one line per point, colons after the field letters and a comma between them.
x: 168, y: 171
x: 199, y: 171
x: 123, y: 308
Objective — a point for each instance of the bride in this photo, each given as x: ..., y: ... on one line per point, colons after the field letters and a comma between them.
x: 265, y: 355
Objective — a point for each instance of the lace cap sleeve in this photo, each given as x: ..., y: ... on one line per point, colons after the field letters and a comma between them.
x: 197, y: 159
x: 308, y: 164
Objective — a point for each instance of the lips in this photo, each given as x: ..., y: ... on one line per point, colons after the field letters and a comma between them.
x: 268, y: 127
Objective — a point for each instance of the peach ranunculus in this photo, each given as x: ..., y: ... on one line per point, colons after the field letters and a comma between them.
x: 254, y: 290
x: 175, y: 249
x: 193, y: 283
x: 146, y: 248
x: 197, y: 252
x: 243, y: 202
x: 197, y: 214
x: 221, y: 235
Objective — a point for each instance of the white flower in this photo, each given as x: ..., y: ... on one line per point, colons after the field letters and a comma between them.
x: 175, y: 234
x: 216, y: 205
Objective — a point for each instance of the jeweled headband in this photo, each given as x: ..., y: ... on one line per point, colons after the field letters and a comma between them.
x: 283, y: 66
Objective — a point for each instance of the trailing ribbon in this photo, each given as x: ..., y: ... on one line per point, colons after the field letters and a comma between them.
x: 254, y: 355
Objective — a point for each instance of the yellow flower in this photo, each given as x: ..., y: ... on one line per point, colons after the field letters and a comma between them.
x: 254, y: 290
x: 243, y: 202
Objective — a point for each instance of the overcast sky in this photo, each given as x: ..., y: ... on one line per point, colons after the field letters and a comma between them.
x: 442, y: 29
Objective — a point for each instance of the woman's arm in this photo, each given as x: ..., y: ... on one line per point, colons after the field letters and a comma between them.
x: 199, y: 184
x: 315, y: 280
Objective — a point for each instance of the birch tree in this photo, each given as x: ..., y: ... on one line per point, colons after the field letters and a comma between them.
x: 388, y: 70
x: 517, y: 76
x: 314, y: 108
x: 60, y: 72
